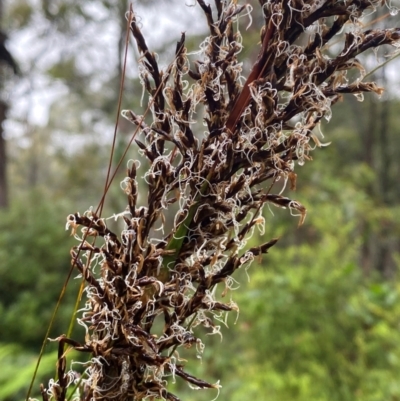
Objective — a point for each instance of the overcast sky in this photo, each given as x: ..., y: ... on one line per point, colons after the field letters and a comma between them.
x: 39, y: 46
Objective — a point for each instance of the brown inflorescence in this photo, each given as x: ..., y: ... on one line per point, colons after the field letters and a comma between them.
x: 218, y: 176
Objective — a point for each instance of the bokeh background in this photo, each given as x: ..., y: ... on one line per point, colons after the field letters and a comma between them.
x: 319, y: 315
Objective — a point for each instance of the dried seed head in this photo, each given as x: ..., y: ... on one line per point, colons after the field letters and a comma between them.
x: 219, y: 181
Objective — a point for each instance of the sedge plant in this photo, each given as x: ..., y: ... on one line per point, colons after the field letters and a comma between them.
x: 215, y: 142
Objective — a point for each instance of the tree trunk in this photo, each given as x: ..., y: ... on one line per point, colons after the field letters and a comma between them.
x: 3, y: 153
x: 3, y: 160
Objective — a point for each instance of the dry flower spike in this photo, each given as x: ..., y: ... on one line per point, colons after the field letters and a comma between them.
x: 220, y: 181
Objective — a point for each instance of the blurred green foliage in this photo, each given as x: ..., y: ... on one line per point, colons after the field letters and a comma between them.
x: 318, y: 330
x: 34, y: 249
x: 18, y: 367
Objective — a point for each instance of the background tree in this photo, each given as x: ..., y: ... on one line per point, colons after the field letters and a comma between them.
x: 6, y: 61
